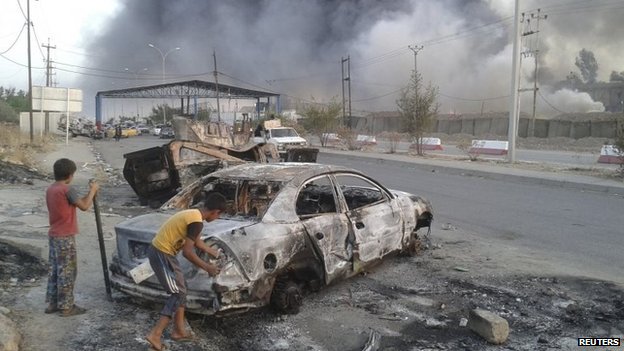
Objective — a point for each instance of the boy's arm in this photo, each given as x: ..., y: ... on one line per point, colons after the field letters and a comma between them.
x: 188, y: 250
x: 86, y: 201
x: 200, y: 244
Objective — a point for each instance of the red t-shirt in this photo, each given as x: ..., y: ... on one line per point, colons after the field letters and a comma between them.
x: 61, y: 199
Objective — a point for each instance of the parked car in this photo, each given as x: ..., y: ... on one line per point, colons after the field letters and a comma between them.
x: 288, y: 228
x: 156, y: 130
x: 167, y: 133
x: 143, y: 129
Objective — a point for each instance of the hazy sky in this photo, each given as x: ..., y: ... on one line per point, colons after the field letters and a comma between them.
x: 294, y: 47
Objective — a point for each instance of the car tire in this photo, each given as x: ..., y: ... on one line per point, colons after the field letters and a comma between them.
x: 414, y: 245
x: 286, y: 296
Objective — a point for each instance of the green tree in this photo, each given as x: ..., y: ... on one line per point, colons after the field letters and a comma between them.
x: 586, y: 63
x: 418, y: 106
x: 157, y: 113
x: 13, y: 102
x: 7, y: 113
x: 616, y: 77
x: 321, y: 119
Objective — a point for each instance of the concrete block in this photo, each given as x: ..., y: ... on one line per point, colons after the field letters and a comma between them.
x: 580, y: 130
x: 541, y: 128
x: 443, y: 126
x: 490, y: 326
x: 482, y: 126
x: 467, y: 126
x: 523, y: 127
x: 455, y: 127
x: 500, y: 126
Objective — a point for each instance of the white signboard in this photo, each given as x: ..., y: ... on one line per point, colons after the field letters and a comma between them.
x: 39, y: 125
x: 57, y: 99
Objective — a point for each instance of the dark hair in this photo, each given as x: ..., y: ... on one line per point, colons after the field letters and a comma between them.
x: 63, y: 168
x: 214, y: 201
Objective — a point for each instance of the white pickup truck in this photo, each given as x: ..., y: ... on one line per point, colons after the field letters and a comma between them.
x: 284, y: 138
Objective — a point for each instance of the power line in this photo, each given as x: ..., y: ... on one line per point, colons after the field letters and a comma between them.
x: 16, y: 39
x: 475, y: 100
x: 43, y: 56
x: 549, y: 104
x: 22, y: 9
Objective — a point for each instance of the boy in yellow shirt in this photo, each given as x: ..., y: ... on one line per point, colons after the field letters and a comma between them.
x: 181, y: 232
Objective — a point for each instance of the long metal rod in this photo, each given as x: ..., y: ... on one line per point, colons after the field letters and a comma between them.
x: 98, y: 222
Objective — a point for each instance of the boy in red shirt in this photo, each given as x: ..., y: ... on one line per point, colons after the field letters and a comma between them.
x: 62, y: 200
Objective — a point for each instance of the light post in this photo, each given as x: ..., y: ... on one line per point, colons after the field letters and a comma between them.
x: 164, y: 57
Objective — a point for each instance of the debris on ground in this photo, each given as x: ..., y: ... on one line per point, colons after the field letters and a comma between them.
x: 13, y: 173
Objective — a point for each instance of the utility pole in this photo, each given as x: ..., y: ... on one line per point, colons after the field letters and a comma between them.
x: 415, y: 49
x: 515, y: 82
x: 214, y: 55
x: 346, y: 78
x: 30, y: 111
x: 49, y: 63
x: 535, y: 51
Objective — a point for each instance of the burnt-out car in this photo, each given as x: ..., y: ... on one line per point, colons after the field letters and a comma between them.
x: 288, y: 227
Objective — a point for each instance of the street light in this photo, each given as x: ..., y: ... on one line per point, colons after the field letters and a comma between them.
x: 164, y: 57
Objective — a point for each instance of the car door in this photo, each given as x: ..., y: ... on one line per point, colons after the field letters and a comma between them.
x: 374, y: 216
x: 326, y: 226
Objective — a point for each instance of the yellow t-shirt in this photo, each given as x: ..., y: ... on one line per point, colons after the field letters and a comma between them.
x: 171, y: 235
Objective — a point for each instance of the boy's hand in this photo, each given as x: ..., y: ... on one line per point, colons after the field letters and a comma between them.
x: 212, y: 269
x: 93, y: 185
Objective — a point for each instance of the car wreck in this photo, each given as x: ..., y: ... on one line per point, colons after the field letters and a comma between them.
x: 156, y: 174
x: 288, y: 228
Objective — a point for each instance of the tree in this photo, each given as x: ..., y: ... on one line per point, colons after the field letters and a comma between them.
x: 418, y: 106
x: 7, y: 113
x: 586, y: 63
x: 12, y: 103
x: 321, y: 119
x: 616, y: 77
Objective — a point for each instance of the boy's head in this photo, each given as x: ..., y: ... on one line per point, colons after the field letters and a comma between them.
x: 63, y: 169
x: 213, y: 205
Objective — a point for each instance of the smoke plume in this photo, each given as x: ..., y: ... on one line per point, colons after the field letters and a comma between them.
x: 295, y: 47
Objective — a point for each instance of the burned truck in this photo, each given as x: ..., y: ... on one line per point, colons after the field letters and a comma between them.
x: 156, y: 174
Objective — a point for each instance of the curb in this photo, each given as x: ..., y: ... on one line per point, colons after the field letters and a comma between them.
x: 504, y: 173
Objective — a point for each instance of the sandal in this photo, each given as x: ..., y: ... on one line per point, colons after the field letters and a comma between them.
x: 51, y: 309
x: 73, y: 311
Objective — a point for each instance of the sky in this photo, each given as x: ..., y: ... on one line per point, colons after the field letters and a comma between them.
x: 294, y: 47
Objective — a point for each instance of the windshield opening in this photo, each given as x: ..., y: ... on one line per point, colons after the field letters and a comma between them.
x: 245, y: 198
x: 283, y: 132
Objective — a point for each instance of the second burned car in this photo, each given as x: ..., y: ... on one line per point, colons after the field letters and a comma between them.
x: 288, y: 227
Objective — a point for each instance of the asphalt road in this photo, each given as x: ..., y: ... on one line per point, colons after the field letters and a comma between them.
x: 581, y: 230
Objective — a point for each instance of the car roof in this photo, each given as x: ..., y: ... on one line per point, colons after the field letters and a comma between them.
x: 282, y: 172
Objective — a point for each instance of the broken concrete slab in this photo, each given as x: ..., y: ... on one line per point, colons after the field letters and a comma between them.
x: 490, y: 326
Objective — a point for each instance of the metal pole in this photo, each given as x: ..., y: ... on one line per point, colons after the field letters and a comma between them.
x: 67, y: 120
x: 515, y: 82
x: 214, y: 55
x: 30, y: 111
x: 98, y: 223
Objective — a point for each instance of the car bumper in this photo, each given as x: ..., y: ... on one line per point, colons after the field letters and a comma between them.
x: 205, y: 302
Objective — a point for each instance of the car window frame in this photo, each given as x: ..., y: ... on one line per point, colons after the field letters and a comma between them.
x: 337, y: 201
x: 386, y: 194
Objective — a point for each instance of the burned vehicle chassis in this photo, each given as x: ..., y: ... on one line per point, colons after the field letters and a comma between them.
x: 300, y: 230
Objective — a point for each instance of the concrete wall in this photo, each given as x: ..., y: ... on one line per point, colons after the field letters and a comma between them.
x: 601, y: 125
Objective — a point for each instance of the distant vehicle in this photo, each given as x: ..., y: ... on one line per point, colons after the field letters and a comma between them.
x: 156, y: 130
x: 143, y: 129
x: 167, y: 133
x: 284, y: 139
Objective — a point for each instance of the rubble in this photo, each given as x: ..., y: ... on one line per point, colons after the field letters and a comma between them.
x: 10, y: 337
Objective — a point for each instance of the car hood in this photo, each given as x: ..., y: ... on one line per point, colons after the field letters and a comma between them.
x: 288, y: 139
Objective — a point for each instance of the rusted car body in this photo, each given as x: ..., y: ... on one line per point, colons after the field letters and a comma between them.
x: 289, y: 227
x: 155, y: 174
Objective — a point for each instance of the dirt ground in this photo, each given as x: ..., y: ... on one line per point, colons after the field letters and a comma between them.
x: 413, y: 303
